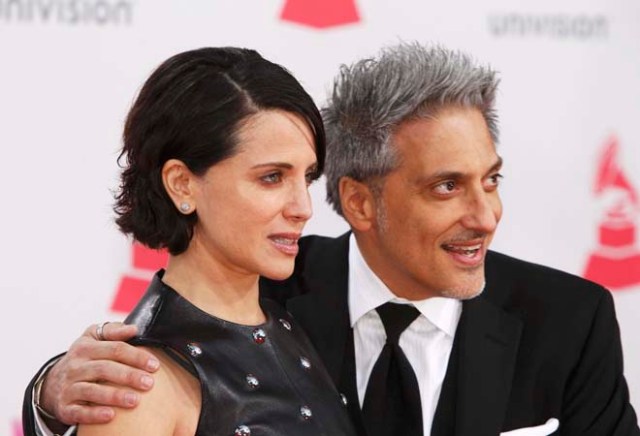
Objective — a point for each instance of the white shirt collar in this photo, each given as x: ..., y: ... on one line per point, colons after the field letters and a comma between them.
x: 367, y: 291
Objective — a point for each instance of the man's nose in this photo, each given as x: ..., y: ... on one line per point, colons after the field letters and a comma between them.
x: 483, y: 211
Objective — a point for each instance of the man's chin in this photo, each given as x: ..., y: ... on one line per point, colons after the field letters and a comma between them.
x: 463, y: 292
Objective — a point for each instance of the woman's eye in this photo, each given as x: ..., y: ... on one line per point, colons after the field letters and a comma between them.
x: 445, y: 187
x: 272, y: 178
x: 311, y: 177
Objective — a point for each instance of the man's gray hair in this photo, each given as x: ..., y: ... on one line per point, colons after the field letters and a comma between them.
x: 372, y: 97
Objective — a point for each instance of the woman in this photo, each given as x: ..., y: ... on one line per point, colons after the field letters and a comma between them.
x: 220, y: 148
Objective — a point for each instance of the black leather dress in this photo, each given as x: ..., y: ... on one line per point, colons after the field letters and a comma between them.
x: 255, y: 380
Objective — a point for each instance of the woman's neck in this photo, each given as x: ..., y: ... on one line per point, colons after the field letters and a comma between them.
x: 220, y: 291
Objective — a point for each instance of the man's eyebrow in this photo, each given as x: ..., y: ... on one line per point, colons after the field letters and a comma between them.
x: 441, y: 175
x: 455, y: 175
x: 496, y: 166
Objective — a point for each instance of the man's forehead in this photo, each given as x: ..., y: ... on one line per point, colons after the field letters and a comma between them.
x: 457, y: 141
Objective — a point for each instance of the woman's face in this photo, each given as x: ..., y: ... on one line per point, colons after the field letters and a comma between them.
x: 252, y: 207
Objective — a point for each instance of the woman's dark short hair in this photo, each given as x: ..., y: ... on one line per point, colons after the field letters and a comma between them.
x: 191, y: 109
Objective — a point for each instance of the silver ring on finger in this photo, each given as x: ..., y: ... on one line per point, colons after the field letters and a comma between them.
x: 100, y: 331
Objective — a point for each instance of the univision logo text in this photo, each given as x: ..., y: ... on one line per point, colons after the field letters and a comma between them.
x: 67, y: 12
x: 552, y: 26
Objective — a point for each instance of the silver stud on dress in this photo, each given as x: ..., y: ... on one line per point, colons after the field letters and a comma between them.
x: 305, y: 412
x: 259, y: 336
x: 286, y: 324
x: 252, y: 381
x: 305, y: 363
x: 343, y: 397
x: 242, y: 430
x: 194, y: 349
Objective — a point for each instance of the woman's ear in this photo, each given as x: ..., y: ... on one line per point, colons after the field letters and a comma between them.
x: 179, y: 182
x: 358, y: 203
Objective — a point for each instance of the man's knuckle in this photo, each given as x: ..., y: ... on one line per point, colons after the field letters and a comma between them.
x: 79, y: 348
x: 64, y: 415
x: 118, y: 396
x: 100, y: 370
x: 90, y: 330
x: 87, y: 391
x: 119, y: 350
x: 63, y: 397
x: 73, y: 370
x: 130, y: 378
x: 73, y: 414
x: 72, y: 352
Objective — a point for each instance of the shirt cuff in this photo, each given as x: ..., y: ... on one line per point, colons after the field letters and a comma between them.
x: 41, y: 428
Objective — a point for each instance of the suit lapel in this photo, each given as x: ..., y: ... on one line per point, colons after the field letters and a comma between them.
x: 323, y: 311
x: 485, y: 359
x: 323, y: 308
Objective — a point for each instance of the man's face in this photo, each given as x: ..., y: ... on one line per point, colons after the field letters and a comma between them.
x: 438, y: 211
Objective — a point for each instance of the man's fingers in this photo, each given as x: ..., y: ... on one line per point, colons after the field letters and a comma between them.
x: 85, y: 349
x: 112, y: 331
x: 84, y: 414
x: 116, y: 331
x: 70, y: 391
x: 104, y: 395
x: 111, y: 372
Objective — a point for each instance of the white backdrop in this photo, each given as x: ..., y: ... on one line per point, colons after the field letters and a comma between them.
x: 69, y: 70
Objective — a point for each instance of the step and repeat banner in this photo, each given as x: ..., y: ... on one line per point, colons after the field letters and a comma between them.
x: 569, y: 106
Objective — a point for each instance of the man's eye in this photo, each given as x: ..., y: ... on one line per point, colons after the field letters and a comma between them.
x: 445, y: 187
x: 494, y: 180
x: 272, y: 178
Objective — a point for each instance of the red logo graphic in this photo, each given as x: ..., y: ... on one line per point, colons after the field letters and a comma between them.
x: 16, y: 428
x: 133, y: 284
x: 616, y: 261
x: 320, y: 14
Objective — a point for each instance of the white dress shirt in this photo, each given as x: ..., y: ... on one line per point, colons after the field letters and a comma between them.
x: 427, y: 342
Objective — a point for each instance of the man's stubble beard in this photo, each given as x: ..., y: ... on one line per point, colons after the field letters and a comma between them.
x: 462, y: 293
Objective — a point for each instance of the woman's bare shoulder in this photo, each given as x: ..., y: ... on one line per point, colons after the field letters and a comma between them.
x: 170, y: 408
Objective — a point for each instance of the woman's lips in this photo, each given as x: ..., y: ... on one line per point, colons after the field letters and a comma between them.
x: 286, y: 243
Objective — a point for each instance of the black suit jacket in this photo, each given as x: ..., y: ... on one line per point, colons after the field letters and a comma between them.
x: 536, y: 344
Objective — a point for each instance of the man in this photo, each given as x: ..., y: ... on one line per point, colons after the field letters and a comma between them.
x: 496, y: 344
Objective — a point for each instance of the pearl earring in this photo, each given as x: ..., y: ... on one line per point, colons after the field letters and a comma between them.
x: 185, y: 207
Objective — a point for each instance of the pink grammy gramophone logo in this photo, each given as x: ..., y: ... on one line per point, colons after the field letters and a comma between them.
x: 320, y: 14
x: 615, y: 263
x: 133, y: 284
x: 17, y: 427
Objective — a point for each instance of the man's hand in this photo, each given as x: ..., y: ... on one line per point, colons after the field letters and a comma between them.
x: 95, y: 375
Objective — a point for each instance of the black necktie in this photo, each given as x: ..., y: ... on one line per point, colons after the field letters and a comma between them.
x: 392, y: 402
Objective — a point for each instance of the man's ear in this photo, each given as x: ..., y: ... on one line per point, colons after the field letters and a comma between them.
x: 179, y: 182
x: 358, y: 203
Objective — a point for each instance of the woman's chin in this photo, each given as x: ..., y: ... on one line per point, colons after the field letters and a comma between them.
x: 278, y: 274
